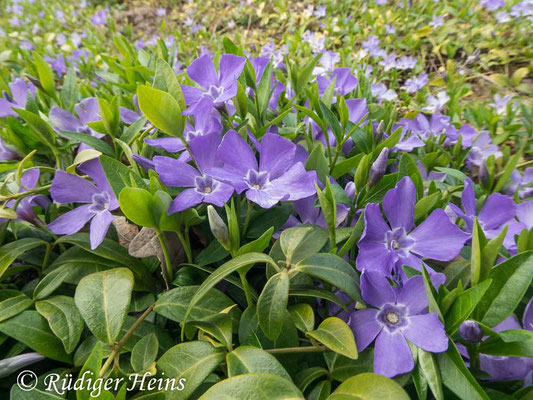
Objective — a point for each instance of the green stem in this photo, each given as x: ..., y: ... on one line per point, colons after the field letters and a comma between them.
x: 46, y: 256
x: 185, y: 246
x: 167, y: 273
x: 246, y: 287
x: 247, y: 218
x: 292, y: 350
x: 473, y: 355
x: 116, y: 349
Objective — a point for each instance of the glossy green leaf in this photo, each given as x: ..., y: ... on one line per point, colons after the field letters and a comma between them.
x: 249, y: 360
x: 303, y: 316
x: 464, y: 305
x: 335, y: 334
x: 161, y: 109
x: 103, y: 300
x: 14, y: 305
x: 430, y: 371
x: 369, y: 386
x: 64, y: 319
x: 272, y: 304
x: 9, y: 252
x: 144, y: 353
x: 137, y: 206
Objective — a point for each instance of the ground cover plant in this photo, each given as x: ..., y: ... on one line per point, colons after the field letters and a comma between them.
x: 266, y: 200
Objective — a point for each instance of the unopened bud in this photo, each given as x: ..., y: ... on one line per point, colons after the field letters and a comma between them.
x: 471, y: 331
x: 218, y: 227
x: 379, y: 131
x: 377, y: 170
x: 483, y: 172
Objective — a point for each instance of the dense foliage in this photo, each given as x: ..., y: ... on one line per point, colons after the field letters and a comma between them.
x: 267, y: 200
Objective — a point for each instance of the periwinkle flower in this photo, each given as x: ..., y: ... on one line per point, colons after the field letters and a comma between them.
x: 415, y: 83
x: 87, y: 110
x: 380, y: 91
x: 425, y: 128
x: 470, y: 331
x: 219, y: 229
x: 217, y: 87
x: 99, y: 18
x: 24, y: 208
x: 345, y: 82
x: 386, y: 246
x: 200, y: 187
x: 57, y: 64
x: 492, y: 5
x: 406, y: 62
x: 276, y: 178
x: 327, y: 63
x: 436, y: 103
x: 522, y: 183
x: 499, y: 103
x: 497, y: 211
x: 397, y: 315
x: 431, y: 176
x: 99, y: 200
x: 437, y: 21
x: 18, y: 98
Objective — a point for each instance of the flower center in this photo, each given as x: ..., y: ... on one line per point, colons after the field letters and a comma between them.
x: 204, y: 184
x: 392, y: 318
x: 398, y: 240
x: 214, y: 92
x: 257, y: 180
x: 100, y: 202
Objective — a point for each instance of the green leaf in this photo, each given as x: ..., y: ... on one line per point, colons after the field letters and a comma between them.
x: 249, y: 360
x: 223, y: 271
x: 31, y: 329
x: 12, y: 250
x: 217, y: 325
x: 335, y: 334
x: 369, y: 386
x: 103, y: 299
x: 308, y: 376
x: 161, y: 109
x: 430, y: 371
x: 46, y: 75
x: 263, y: 89
x: 489, y: 253
x: 317, y: 161
x: 165, y: 80
x: 272, y: 304
x: 258, y: 245
x: 92, y: 366
x: 94, y: 142
x: 69, y: 91
x: 14, y: 305
x: 190, y: 362
x: 119, y: 176
x: 342, y: 368
x: 111, y: 250
x: 463, y: 306
x: 315, y: 292
x: 302, y: 241
x: 431, y: 294
x: 478, y: 241
x: 253, y: 386
x: 144, y: 353
x: 303, y: 316
x: 332, y: 269
x: 408, y: 167
x: 64, y: 319
x: 457, y: 377
x: 511, y: 343
x: 173, y: 304
x: 40, y: 127
x: 35, y: 394
x: 137, y: 206
x: 511, y: 279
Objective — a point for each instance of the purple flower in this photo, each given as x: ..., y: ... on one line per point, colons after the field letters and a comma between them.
x: 18, y: 99
x: 424, y: 128
x: 522, y: 183
x: 99, y: 201
x: 345, y: 82
x: 277, y: 177
x: 87, y: 110
x: 372, y: 46
x: 327, y: 63
x: 161, y: 12
x: 492, y: 5
x: 497, y: 211
x: 201, y: 188
x: 24, y: 208
x: 380, y: 91
x: 399, y: 315
x: 6, y: 154
x: 386, y: 246
x: 415, y: 83
x: 500, y: 103
x: 406, y: 62
x: 219, y: 87
x: 432, y: 176
x: 437, y: 21
x: 57, y: 64
x: 100, y: 18
x: 388, y: 62
x: 320, y: 12
x: 436, y: 103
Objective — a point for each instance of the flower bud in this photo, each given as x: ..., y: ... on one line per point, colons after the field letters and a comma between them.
x: 218, y: 227
x: 377, y: 170
x: 484, y: 172
x: 378, y: 135
x: 471, y: 331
